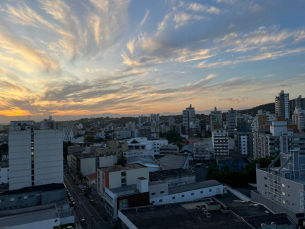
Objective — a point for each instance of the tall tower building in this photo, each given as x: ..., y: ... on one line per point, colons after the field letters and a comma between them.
x: 36, y: 155
x: 188, y: 117
x: 282, y: 108
x: 215, y: 119
x: 231, y: 120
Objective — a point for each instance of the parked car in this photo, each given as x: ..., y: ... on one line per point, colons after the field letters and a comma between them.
x: 92, y: 202
x: 83, y: 223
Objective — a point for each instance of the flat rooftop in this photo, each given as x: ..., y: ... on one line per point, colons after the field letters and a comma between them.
x: 170, y: 161
x: 116, y: 168
x: 193, y: 186
x: 170, y: 173
x: 186, y: 216
x: 43, y: 188
x: 81, y: 155
x: 26, y: 218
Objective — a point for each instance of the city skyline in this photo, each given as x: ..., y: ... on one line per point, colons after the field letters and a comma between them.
x: 83, y: 58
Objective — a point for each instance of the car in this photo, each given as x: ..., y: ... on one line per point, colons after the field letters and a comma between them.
x: 70, y: 227
x: 92, y: 202
x: 72, y: 199
x: 74, y: 205
x: 83, y: 223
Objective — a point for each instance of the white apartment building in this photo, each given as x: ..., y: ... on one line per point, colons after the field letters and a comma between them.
x: 68, y: 132
x: 203, y: 150
x: 298, y: 118
x: 144, y: 144
x: 220, y: 143
x: 215, y: 119
x: 35, y: 155
x: 117, y: 176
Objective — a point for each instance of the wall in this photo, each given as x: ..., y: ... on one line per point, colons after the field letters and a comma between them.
x: 131, y: 177
x: 45, y: 224
x: 88, y: 165
x: 107, y: 161
x: 126, y: 221
x: 197, y: 194
x: 48, y: 157
x: 274, y: 207
x: 4, y: 175
x: 21, y: 200
x: 20, y: 159
x: 51, y: 196
x: 156, y: 189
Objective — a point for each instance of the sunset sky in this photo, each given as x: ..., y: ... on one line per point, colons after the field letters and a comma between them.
x: 84, y: 57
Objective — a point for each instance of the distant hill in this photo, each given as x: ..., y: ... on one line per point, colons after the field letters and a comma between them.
x: 253, y: 111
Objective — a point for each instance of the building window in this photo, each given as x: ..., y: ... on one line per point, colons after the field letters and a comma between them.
x: 201, y: 192
x: 152, y: 202
x: 20, y: 197
x: 210, y: 190
x: 173, y: 197
x: 153, y: 193
x: 123, y: 180
x: 182, y: 195
x: 192, y: 193
x: 162, y: 192
x: 12, y: 199
x: 31, y: 196
x: 123, y: 174
x: 160, y: 200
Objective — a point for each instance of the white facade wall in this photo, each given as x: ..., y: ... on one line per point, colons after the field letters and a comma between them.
x: 47, y: 149
x: 157, y: 144
x: 48, y: 157
x: 107, y: 161
x: 4, y: 175
x: 189, y: 195
x: 138, y: 153
x: 20, y: 159
x: 88, y: 165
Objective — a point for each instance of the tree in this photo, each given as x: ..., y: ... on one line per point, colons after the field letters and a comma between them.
x: 208, y: 134
x: 89, y: 138
x: 238, y: 178
x: 198, y: 134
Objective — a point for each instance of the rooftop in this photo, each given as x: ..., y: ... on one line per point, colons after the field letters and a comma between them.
x: 163, y: 174
x: 90, y: 155
x: 26, y: 218
x: 186, y: 216
x: 193, y: 186
x: 187, y: 148
x: 125, y: 189
x: 171, y: 161
x: 92, y: 176
x: 43, y: 188
x: 116, y: 168
x: 148, y: 160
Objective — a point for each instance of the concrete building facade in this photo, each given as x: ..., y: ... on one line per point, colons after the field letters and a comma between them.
x: 35, y: 155
x: 282, y: 108
x: 220, y: 143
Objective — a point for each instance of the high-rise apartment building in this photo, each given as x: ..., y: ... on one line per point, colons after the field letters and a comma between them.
x: 297, y: 102
x: 282, y: 108
x: 188, y: 117
x: 231, y: 120
x: 243, y: 141
x: 36, y: 155
x: 298, y: 118
x: 171, y: 121
x: 215, y: 119
x: 142, y: 119
x: 220, y: 140
x: 283, y: 188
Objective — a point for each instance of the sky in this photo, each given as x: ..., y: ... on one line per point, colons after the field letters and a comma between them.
x: 127, y: 57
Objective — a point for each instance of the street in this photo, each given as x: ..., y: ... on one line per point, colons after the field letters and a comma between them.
x: 93, y: 214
